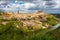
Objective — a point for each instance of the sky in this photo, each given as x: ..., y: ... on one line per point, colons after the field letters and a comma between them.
x: 48, y: 6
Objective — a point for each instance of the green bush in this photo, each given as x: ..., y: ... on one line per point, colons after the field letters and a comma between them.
x: 52, y: 20
x: 4, y: 28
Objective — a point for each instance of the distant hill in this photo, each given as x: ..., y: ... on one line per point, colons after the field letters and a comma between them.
x: 57, y: 15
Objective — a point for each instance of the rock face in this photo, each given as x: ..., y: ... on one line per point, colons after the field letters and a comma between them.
x: 32, y: 22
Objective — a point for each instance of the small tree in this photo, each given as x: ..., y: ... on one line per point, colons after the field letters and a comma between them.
x: 18, y: 11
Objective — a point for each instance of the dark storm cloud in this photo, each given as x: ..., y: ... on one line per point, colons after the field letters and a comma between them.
x: 17, y: 0
x: 20, y: 0
x: 6, y: 0
x: 50, y: 4
x: 47, y: 0
x: 26, y: 0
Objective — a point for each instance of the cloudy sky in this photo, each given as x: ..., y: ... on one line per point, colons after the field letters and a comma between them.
x: 49, y: 6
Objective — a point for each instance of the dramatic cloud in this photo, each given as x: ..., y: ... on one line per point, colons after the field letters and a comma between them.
x: 29, y: 5
x: 57, y: 3
x: 19, y: 6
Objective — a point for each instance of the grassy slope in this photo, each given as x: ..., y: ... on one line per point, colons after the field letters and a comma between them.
x: 17, y: 35
x: 56, y: 33
x: 12, y: 33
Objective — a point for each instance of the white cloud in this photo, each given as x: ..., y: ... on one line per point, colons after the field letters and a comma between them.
x: 16, y: 6
x: 29, y: 5
x: 57, y: 4
x: 1, y: 2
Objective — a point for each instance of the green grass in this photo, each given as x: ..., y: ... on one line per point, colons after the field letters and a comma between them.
x: 16, y: 34
x: 52, y: 20
x: 10, y: 32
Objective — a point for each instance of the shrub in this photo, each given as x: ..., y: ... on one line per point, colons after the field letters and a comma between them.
x: 6, y: 27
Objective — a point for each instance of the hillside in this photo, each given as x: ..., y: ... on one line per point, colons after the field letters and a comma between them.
x: 29, y: 22
x: 14, y: 26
